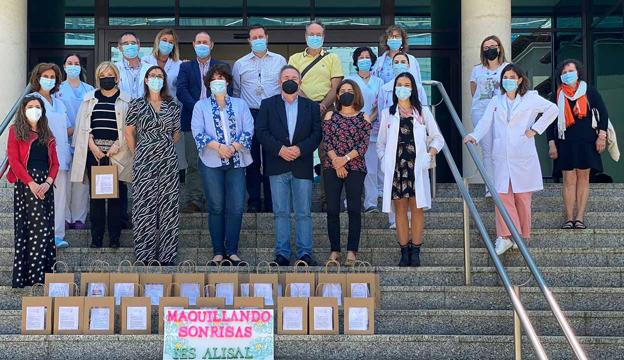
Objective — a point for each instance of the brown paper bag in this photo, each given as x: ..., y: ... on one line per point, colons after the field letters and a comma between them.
x: 104, y: 182
x: 156, y: 286
x: 97, y: 282
x: 124, y: 284
x: 210, y: 303
x: 96, y: 310
x: 248, y: 303
x: 296, y: 320
x: 359, y: 316
x: 37, y: 313
x: 243, y: 279
x: 188, y: 284
x: 323, y: 314
x: 224, y: 285
x: 169, y: 302
x: 264, y: 285
x: 299, y: 284
x: 332, y: 284
x: 136, y: 316
x: 363, y: 283
x: 60, y: 284
x: 68, y: 313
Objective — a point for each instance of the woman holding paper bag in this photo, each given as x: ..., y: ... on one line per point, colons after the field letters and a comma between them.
x: 99, y: 140
x: 406, y: 155
x: 153, y: 128
x: 31, y: 150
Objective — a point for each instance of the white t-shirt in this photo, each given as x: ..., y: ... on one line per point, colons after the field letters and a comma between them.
x: 488, y: 85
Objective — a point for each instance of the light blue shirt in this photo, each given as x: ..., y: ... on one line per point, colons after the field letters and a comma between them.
x: 131, y: 79
x: 256, y: 79
x: 58, y: 122
x: 291, y: 116
x: 204, y: 128
x: 72, y: 98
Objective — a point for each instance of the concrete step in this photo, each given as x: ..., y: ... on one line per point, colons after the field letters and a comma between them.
x: 444, y: 322
x: 370, y: 238
x: 609, y: 277
x: 306, y: 347
x: 433, y: 220
x: 564, y: 257
x: 450, y: 298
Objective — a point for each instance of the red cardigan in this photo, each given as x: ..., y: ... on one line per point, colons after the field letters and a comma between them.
x: 18, y: 152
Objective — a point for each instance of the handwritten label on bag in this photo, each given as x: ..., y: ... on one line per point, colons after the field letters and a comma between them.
x: 359, y: 290
x: 96, y: 289
x: 58, y: 289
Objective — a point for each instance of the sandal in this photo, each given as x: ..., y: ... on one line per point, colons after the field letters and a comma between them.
x: 568, y: 225
x: 578, y: 224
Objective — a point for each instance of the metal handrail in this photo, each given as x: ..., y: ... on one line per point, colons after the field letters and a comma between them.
x: 5, y: 123
x: 537, y: 275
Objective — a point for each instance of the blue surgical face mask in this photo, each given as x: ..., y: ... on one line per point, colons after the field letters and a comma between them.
x: 569, y: 78
x: 72, y: 71
x: 364, y: 64
x: 47, y: 84
x: 202, y: 50
x: 259, y: 45
x: 155, y: 84
x: 510, y: 85
x: 394, y: 43
x: 403, y: 92
x: 399, y: 68
x: 314, y: 41
x: 130, y: 51
x: 165, y: 47
x: 218, y: 86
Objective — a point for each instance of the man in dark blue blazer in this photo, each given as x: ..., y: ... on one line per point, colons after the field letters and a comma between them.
x: 289, y: 128
x: 191, y: 88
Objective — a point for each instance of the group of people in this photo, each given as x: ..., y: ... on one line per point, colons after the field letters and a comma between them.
x: 247, y: 136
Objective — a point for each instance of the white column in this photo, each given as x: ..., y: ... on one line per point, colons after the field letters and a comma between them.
x: 13, y: 42
x: 479, y: 19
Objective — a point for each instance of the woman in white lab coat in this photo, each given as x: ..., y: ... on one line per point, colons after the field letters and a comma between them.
x: 403, y: 150
x: 511, y: 116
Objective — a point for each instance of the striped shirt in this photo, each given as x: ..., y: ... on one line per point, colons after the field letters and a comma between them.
x: 104, y: 121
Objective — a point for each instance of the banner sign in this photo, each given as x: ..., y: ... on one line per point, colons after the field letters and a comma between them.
x: 218, y: 334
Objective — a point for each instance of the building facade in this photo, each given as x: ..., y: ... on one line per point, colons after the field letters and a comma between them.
x: 444, y: 36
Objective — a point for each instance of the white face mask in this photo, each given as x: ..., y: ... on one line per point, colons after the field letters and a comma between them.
x: 33, y: 114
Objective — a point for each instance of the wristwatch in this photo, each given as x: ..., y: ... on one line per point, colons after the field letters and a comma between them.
x: 348, y: 158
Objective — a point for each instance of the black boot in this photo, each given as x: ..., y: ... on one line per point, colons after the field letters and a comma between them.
x: 414, y: 254
x: 96, y: 243
x: 405, y: 258
x: 114, y: 243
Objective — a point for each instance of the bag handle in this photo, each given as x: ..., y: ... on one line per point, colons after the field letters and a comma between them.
x: 151, y: 262
x: 187, y: 264
x: 268, y: 265
x: 246, y: 265
x: 59, y: 262
x: 36, y: 286
x: 123, y: 262
x: 221, y: 265
x: 139, y: 262
x: 363, y: 264
x: 98, y: 265
x: 301, y: 263
x: 332, y: 261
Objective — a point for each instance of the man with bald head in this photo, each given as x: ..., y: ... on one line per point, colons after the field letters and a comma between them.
x: 191, y: 89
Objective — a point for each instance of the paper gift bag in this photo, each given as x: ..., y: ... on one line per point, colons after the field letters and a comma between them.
x: 331, y: 284
x: 136, y: 316
x: 37, y: 313
x: 248, y: 303
x: 124, y: 285
x: 104, y: 183
x: 298, y: 284
x: 359, y: 316
x: 292, y: 315
x: 189, y: 284
x: 210, y: 303
x: 224, y: 285
x: 174, y: 302
x: 264, y: 285
x: 243, y: 279
x: 96, y: 284
x: 68, y: 313
x: 363, y: 284
x: 98, y: 317
x: 59, y: 284
x: 323, y: 314
x: 155, y: 286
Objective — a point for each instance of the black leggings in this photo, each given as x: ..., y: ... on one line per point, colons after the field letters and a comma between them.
x: 354, y: 186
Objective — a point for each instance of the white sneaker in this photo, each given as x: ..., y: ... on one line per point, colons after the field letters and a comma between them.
x: 392, y: 226
x: 502, y: 245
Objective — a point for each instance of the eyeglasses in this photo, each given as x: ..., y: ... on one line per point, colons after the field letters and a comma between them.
x: 156, y: 77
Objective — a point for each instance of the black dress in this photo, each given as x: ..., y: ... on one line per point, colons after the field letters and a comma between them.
x: 578, y: 150
x: 403, y: 179
x: 35, y: 253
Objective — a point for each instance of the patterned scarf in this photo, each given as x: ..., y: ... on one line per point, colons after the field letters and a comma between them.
x: 231, y: 126
x: 567, y: 114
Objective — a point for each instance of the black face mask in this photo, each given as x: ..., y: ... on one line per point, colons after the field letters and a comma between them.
x: 290, y: 86
x: 490, y: 54
x: 107, y: 83
x: 346, y: 99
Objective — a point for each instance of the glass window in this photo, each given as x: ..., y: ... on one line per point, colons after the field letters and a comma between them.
x: 607, y: 14
x: 211, y: 13
x: 79, y: 23
x: 79, y: 39
x: 414, y: 22
x: 539, y: 22
x: 362, y: 12
x: 141, y: 12
x: 412, y: 7
x: 278, y: 12
x: 278, y: 20
x: 421, y: 39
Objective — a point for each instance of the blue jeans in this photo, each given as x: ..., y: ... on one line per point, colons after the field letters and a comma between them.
x: 285, y: 187
x: 224, y: 188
